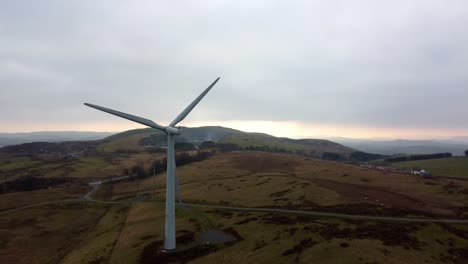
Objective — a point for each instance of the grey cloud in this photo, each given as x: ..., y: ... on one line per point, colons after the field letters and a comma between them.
x: 393, y: 64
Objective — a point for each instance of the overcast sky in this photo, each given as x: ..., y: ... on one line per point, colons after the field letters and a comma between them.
x: 299, y: 69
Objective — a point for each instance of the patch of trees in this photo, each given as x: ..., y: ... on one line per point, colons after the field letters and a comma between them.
x: 36, y: 148
x: 466, y: 153
x: 419, y: 157
x: 267, y: 149
x: 207, y: 144
x: 157, y: 140
x: 30, y: 183
x: 184, y: 146
x: 364, y: 156
x: 155, y: 150
x: 223, y: 147
x: 301, y: 152
x: 332, y: 156
x: 355, y: 156
x: 138, y: 170
x: 126, y: 151
x: 226, y: 147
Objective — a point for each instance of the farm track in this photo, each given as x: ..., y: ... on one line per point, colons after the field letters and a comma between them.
x: 88, y: 199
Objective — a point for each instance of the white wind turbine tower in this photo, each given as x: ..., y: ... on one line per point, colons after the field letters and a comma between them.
x: 171, y: 130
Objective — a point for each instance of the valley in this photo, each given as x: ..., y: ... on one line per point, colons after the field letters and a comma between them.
x: 237, y: 205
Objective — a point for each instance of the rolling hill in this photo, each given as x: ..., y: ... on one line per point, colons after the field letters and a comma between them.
x: 8, y: 139
x: 120, y: 152
x: 139, y: 140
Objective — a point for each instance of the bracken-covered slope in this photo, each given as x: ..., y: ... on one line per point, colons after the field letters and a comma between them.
x: 130, y: 229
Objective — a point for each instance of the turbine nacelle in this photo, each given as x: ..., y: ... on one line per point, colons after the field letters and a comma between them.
x: 172, y: 130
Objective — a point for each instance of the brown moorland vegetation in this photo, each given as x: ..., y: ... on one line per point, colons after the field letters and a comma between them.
x: 87, y: 232
x: 258, y: 179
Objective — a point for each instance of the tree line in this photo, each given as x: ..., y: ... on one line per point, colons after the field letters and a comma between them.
x: 419, y: 157
x: 183, y: 158
x: 30, y: 183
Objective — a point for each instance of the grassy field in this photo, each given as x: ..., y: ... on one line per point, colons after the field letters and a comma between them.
x: 85, y: 167
x: 16, y: 163
x: 280, y: 180
x: 274, y: 238
x: 98, y: 245
x: 87, y: 233
x: 454, y: 166
x: 45, y: 234
x: 84, y: 232
x: 19, y: 199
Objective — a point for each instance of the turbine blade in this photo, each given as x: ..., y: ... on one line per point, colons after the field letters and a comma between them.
x: 130, y: 117
x: 190, y: 107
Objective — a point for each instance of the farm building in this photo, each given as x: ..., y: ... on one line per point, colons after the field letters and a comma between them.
x: 421, y: 172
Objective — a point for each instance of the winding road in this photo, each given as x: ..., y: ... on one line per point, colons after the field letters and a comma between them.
x: 186, y: 206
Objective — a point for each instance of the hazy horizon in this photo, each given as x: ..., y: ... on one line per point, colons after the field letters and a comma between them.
x: 302, y: 70
x: 266, y: 130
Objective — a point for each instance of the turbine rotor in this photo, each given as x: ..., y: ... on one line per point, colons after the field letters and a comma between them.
x: 171, y: 179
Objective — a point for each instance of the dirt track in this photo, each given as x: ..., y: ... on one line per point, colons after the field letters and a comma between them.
x: 273, y: 210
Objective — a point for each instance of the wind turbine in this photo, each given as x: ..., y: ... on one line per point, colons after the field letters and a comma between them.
x: 171, y: 130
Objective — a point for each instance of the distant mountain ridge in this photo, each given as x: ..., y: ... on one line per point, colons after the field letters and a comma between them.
x: 139, y: 138
x: 456, y: 146
x: 7, y: 139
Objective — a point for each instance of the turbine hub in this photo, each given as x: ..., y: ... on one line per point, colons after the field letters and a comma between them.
x: 172, y: 130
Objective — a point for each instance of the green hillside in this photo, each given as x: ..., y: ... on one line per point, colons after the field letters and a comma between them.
x: 314, y: 147
x: 136, y: 140
x: 453, y: 166
x: 128, y: 140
